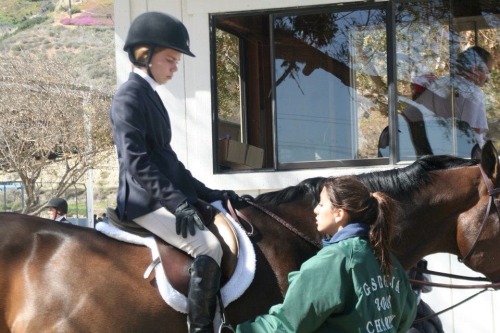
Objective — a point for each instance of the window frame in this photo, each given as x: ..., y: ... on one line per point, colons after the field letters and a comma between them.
x: 390, y: 8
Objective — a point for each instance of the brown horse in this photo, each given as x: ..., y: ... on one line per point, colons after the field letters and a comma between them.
x: 62, y: 278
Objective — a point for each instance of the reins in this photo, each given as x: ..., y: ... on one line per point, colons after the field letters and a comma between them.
x: 492, y: 192
x: 484, y: 287
x: 239, y: 217
x: 448, y: 308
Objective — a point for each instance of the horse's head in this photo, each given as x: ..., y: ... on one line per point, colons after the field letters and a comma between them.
x: 446, y: 207
x: 478, y: 229
x: 450, y: 205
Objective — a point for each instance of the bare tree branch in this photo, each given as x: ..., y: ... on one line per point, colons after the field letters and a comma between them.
x: 49, y: 123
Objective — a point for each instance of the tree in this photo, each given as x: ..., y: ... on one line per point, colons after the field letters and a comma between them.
x: 49, y: 125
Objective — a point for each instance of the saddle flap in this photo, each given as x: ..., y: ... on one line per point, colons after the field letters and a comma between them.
x: 176, y: 263
x: 225, y: 233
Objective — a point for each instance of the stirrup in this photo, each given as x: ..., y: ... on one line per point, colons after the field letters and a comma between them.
x: 226, y: 326
x: 223, y: 324
x: 151, y: 266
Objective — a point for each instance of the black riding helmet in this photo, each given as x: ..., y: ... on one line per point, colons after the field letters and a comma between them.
x: 156, y: 29
x: 59, y: 204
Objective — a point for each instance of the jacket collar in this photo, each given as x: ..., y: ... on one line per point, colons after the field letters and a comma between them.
x: 154, y: 85
x: 151, y: 93
x: 353, y: 229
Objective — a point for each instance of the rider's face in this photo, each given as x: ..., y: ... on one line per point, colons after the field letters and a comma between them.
x: 163, y: 65
x: 52, y: 213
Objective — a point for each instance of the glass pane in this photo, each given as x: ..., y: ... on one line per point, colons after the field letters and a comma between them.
x: 331, y: 85
x: 441, y: 105
x: 244, y: 105
x: 228, y: 85
x: 486, y: 34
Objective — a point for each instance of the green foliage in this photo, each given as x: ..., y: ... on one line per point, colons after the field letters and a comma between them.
x: 30, y: 23
x: 228, y: 82
x: 77, y: 209
x: 14, y: 12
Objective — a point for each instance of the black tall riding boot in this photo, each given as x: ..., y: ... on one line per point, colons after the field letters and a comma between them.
x: 202, y: 296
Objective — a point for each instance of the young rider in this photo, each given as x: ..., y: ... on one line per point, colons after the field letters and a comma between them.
x: 155, y: 188
x: 58, y: 208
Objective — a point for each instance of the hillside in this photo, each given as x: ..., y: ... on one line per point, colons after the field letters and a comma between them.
x: 84, y: 41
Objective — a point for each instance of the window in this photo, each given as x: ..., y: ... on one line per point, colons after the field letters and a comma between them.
x: 309, y: 88
x: 442, y: 107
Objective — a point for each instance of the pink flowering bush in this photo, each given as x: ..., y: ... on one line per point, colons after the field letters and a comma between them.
x: 87, y: 19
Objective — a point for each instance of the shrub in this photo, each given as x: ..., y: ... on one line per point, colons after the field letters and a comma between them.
x: 26, y: 24
x: 87, y: 19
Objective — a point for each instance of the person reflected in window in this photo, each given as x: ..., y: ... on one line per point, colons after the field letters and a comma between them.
x: 354, y: 283
x: 459, y: 96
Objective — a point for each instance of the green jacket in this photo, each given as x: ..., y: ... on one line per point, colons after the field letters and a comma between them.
x: 341, y: 290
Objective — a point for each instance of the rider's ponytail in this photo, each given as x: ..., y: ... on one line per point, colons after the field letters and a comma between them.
x: 381, y: 230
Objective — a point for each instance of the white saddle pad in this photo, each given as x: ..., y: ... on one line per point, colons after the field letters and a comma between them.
x: 240, y: 280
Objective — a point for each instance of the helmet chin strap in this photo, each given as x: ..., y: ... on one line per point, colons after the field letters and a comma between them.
x: 151, y: 73
x: 148, y: 62
x: 145, y: 64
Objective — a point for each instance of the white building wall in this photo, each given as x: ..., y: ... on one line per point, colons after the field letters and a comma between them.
x: 188, y: 100
x: 480, y: 314
x: 192, y: 124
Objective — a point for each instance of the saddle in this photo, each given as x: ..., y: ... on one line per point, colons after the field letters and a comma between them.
x: 176, y: 263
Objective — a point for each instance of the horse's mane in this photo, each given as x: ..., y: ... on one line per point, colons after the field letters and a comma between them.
x: 402, y: 182
x: 310, y: 187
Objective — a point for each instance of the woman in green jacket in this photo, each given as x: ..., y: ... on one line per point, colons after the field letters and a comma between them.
x: 353, y: 284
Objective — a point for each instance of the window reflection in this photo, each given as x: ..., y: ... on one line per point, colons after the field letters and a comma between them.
x: 442, y: 107
x: 308, y: 87
x: 330, y: 72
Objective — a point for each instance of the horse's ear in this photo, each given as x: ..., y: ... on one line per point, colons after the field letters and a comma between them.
x: 475, y: 153
x: 489, y: 160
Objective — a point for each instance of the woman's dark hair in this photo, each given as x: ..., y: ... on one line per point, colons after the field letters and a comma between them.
x: 472, y: 57
x: 375, y: 209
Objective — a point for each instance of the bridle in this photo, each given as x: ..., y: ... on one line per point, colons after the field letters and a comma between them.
x: 240, y: 217
x: 492, y: 192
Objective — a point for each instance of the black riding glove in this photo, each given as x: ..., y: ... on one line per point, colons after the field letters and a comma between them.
x: 222, y: 196
x: 187, y: 218
x: 233, y: 197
